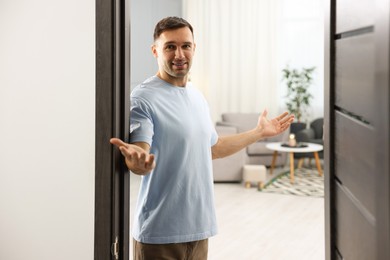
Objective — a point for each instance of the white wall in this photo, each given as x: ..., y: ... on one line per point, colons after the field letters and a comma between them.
x: 47, y: 129
x: 144, y: 16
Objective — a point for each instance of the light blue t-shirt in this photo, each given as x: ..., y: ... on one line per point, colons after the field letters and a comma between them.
x: 176, y: 200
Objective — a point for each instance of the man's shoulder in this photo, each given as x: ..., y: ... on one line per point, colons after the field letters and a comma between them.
x: 147, y: 83
x: 145, y: 88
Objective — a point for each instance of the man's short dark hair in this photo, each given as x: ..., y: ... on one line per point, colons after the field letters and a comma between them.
x: 170, y: 23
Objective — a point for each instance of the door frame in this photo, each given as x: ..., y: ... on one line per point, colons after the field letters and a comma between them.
x: 112, y: 180
x: 329, y: 127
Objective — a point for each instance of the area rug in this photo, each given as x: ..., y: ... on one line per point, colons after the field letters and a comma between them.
x: 307, y: 183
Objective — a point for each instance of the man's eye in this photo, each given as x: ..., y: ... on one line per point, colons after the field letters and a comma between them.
x: 170, y: 47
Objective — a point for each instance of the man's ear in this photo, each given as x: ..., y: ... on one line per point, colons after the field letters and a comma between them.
x: 154, y: 50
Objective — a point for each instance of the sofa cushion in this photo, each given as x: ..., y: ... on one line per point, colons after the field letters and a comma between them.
x: 243, y: 121
x: 278, y: 138
x: 258, y: 149
x: 225, y: 130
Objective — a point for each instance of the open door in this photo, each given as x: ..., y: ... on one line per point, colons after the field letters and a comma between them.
x: 112, y: 199
x: 357, y: 108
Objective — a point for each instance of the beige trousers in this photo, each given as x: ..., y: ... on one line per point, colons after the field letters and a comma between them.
x: 196, y: 250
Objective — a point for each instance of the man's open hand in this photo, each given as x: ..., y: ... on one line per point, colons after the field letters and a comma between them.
x: 137, y: 156
x: 275, y: 126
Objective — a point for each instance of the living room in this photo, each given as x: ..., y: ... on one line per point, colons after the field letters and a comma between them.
x: 242, y: 49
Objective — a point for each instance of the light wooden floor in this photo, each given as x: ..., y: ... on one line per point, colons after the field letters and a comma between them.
x: 254, y: 225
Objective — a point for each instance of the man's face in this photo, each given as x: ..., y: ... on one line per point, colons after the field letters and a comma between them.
x: 174, y: 50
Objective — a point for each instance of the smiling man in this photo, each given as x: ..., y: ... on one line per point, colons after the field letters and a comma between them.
x: 173, y: 50
x: 172, y: 144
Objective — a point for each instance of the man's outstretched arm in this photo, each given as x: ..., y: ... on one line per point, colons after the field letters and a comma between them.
x: 228, y: 145
x: 137, y: 156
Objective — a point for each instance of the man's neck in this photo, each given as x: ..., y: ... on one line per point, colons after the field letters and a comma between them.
x: 176, y: 81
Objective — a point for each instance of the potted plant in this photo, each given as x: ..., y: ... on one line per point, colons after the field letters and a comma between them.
x: 298, y: 82
x: 298, y: 95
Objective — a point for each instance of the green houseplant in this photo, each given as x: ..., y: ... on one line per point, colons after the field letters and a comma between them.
x: 298, y: 82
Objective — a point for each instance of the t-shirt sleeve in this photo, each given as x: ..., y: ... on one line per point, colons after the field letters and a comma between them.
x: 214, y: 134
x: 141, y: 122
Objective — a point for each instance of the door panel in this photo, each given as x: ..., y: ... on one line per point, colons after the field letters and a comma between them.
x: 355, y: 75
x: 355, y: 236
x: 352, y: 15
x: 355, y: 159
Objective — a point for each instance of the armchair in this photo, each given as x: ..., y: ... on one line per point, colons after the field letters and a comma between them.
x: 313, y: 134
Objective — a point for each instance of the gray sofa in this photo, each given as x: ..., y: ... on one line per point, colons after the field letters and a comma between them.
x: 230, y: 168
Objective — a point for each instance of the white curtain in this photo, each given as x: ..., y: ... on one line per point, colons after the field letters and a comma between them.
x: 235, y: 63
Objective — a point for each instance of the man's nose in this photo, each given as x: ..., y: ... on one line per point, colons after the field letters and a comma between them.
x: 179, y: 53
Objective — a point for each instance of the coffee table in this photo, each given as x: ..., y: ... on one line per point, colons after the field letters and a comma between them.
x: 310, y: 148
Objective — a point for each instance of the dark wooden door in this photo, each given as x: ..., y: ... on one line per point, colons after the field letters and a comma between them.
x: 112, y: 195
x: 356, y: 134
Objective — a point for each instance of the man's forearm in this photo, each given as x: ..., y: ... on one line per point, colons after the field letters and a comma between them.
x: 228, y: 145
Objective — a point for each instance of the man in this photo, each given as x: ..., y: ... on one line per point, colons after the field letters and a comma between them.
x: 172, y: 144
